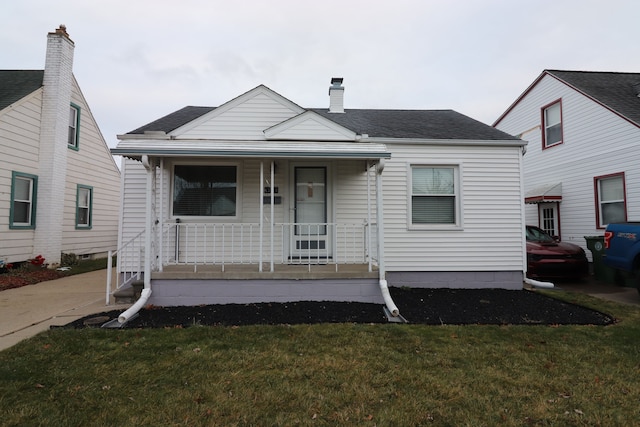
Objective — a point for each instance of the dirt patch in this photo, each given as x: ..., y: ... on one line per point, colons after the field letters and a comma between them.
x: 417, y: 305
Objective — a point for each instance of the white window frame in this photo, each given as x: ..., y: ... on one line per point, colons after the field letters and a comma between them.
x: 600, y: 222
x: 89, y: 207
x: 33, y: 189
x: 546, y: 125
x: 457, y: 195
x: 194, y: 218
x: 74, y: 126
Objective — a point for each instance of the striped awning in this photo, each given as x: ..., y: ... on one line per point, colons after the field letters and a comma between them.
x: 544, y: 193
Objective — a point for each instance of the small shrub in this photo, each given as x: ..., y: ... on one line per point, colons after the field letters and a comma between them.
x: 69, y: 260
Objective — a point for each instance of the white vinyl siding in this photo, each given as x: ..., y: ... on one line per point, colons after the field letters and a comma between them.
x: 104, y: 180
x: 20, y: 136
x: 596, y: 142
x: 490, y: 237
x: 247, y: 120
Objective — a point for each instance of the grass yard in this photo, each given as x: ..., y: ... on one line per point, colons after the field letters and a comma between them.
x: 329, y: 374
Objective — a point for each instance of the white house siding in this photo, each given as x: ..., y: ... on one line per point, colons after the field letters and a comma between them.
x: 491, y: 236
x: 91, y: 165
x: 597, y: 142
x: 19, y: 139
x: 134, y: 198
x: 245, y: 121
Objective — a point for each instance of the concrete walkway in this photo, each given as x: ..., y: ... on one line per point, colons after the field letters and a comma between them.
x: 29, y: 310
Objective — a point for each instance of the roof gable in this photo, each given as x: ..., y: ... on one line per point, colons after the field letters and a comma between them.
x: 16, y: 84
x: 618, y: 92
x: 249, y: 114
x: 309, y: 126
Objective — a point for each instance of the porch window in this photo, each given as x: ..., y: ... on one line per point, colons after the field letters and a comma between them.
x: 610, y: 194
x: 434, y: 198
x: 200, y: 190
x: 22, y: 211
x: 552, y: 125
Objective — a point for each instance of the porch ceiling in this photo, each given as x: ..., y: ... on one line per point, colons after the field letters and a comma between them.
x: 135, y: 148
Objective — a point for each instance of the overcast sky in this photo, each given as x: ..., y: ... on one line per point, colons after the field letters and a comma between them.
x: 137, y: 60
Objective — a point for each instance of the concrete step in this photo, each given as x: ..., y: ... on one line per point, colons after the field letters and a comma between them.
x: 129, y: 293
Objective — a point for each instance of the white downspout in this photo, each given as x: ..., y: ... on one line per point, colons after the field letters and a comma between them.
x: 531, y: 282
x: 146, y: 292
x: 391, y: 306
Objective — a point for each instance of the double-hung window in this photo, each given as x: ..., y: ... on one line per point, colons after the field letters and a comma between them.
x: 610, y: 194
x: 552, y: 124
x: 205, y: 190
x: 74, y: 127
x: 22, y: 212
x: 84, y: 204
x: 434, y: 196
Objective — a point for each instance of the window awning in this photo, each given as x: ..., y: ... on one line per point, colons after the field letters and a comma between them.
x: 544, y: 193
x: 136, y: 148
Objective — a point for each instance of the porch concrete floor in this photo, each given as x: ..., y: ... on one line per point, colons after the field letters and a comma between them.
x: 281, y: 271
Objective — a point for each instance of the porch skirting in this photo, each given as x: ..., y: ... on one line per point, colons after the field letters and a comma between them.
x: 172, y: 292
x: 201, y: 291
x: 512, y: 280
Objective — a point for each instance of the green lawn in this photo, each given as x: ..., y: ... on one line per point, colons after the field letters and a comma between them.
x: 332, y: 374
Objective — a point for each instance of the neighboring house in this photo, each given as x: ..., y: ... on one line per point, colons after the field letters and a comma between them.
x: 260, y: 199
x: 59, y: 184
x: 582, y: 166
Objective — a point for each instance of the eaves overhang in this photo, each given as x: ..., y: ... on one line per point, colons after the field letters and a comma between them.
x: 134, y: 148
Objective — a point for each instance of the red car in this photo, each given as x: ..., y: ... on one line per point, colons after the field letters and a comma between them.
x: 548, y: 258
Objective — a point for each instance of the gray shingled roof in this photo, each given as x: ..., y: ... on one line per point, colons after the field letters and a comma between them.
x: 422, y: 124
x: 174, y: 120
x: 16, y: 84
x: 618, y: 91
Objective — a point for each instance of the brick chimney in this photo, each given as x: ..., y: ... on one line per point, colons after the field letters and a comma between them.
x: 54, y: 129
x: 336, y: 96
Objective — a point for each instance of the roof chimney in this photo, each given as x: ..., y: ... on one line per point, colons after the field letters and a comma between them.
x: 336, y: 96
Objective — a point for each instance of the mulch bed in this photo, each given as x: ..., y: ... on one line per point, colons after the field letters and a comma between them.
x: 416, y: 305
x: 17, y: 279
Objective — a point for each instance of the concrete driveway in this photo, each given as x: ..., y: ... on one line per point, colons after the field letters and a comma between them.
x: 29, y: 310
x: 599, y: 289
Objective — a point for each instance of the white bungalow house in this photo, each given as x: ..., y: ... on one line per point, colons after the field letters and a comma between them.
x: 260, y: 199
x: 582, y: 166
x: 59, y: 184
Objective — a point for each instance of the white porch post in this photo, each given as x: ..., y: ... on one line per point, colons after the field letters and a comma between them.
x: 272, y: 225
x: 369, y: 257
x: 161, y: 218
x: 149, y: 221
x: 380, y: 219
x: 260, y: 221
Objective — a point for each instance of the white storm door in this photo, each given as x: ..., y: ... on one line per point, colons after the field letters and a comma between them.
x: 549, y: 218
x: 311, y: 231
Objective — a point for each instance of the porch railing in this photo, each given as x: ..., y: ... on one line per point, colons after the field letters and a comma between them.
x: 130, y: 263
x: 283, y: 243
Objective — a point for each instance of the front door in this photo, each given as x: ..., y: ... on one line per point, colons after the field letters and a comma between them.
x: 310, y: 237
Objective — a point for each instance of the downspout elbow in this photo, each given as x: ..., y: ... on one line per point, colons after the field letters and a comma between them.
x: 135, y: 308
x: 388, y: 301
x: 538, y: 284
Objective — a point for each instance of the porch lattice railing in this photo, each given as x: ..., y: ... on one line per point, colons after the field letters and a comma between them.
x: 283, y: 243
